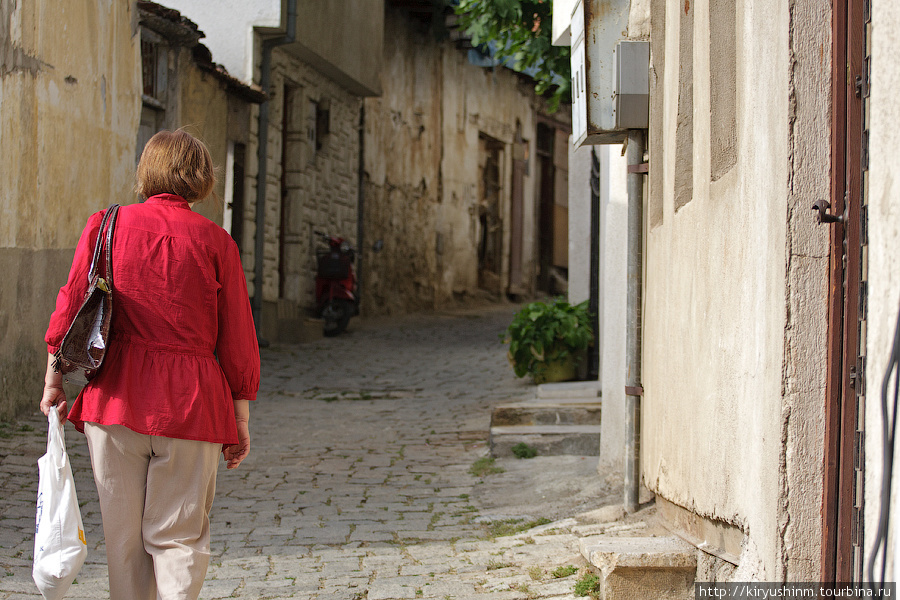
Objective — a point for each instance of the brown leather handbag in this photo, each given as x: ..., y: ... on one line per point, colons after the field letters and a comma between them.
x: 83, y: 347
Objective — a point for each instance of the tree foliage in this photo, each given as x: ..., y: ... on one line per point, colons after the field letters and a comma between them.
x: 520, y: 31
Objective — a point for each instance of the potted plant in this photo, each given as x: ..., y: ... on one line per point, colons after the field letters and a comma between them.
x: 547, y: 340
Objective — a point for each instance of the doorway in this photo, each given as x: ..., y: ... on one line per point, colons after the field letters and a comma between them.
x: 553, y: 208
x: 517, y: 287
x: 490, y: 224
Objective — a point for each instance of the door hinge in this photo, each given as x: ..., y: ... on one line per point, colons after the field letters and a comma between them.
x: 864, y: 150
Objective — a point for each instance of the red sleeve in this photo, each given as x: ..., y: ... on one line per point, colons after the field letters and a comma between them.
x: 71, y: 295
x: 237, y: 347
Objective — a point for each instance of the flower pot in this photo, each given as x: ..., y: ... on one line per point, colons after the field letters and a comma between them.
x: 556, y: 371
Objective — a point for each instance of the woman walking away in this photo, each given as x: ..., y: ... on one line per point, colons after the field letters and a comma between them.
x: 175, y: 386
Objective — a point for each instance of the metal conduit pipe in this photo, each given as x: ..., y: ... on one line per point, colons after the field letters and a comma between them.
x: 265, y: 81
x: 633, y: 388
x: 360, y: 202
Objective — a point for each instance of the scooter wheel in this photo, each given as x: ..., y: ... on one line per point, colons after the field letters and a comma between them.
x: 336, y: 315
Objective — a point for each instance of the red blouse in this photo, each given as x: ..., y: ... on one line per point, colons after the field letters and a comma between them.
x: 183, y: 344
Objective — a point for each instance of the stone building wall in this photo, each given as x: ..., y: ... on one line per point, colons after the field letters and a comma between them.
x: 312, y: 184
x: 427, y: 139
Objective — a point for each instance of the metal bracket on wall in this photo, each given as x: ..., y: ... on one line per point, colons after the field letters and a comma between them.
x: 639, y: 168
x: 824, y: 217
x: 634, y: 390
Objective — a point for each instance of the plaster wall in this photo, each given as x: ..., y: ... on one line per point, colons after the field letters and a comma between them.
x: 613, y: 303
x: 69, y: 110
x: 734, y: 295
x: 203, y: 107
x: 801, y: 469
x: 883, y: 259
x: 562, y: 22
x: 639, y: 20
x: 206, y: 109
x: 494, y: 103
x: 353, y: 59
x: 579, y: 223
x: 423, y: 172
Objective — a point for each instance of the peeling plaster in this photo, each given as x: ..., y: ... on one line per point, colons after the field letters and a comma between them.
x: 806, y: 252
x: 14, y: 59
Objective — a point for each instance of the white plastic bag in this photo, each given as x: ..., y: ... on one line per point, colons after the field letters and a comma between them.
x: 59, y: 544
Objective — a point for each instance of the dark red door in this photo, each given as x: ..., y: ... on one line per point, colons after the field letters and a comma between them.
x: 843, y: 493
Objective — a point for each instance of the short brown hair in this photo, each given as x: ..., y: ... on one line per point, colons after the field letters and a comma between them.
x: 175, y: 162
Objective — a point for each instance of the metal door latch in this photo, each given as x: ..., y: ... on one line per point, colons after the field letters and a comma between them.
x: 824, y: 217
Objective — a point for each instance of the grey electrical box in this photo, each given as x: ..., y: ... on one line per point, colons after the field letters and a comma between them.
x: 631, y: 103
x: 610, y: 74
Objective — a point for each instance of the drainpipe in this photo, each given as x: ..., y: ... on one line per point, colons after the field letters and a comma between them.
x: 594, y: 299
x: 360, y: 200
x: 633, y: 388
x: 265, y: 81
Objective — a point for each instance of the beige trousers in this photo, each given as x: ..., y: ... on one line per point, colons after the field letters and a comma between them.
x: 155, y: 497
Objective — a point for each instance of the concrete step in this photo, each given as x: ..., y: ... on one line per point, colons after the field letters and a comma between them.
x: 642, y: 567
x: 548, y: 440
x: 568, y: 412
x: 582, y: 390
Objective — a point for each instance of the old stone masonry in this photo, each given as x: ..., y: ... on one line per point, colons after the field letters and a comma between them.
x: 360, y: 481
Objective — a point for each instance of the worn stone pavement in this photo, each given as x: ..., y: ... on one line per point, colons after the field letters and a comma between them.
x: 358, y: 485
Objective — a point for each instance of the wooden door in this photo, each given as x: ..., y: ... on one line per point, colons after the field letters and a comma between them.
x: 842, y: 548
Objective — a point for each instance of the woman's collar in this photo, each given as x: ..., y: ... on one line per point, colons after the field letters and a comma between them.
x: 169, y: 199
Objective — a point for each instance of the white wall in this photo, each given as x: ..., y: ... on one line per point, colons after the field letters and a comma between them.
x: 714, y: 317
x: 579, y: 223
x: 614, y: 242
x: 562, y: 20
x: 884, y: 251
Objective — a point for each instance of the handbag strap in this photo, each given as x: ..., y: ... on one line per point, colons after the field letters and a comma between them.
x: 114, y: 209
x: 107, y: 225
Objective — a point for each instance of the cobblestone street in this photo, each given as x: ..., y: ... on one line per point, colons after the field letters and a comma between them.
x: 359, y: 481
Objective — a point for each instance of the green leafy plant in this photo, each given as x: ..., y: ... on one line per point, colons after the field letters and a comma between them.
x: 587, y: 585
x: 563, y: 571
x: 542, y: 333
x: 523, y: 450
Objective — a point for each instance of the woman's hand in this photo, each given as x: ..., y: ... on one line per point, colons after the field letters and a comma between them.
x: 54, y: 395
x: 236, y: 453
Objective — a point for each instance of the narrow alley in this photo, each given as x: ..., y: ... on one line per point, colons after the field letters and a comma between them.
x: 359, y: 482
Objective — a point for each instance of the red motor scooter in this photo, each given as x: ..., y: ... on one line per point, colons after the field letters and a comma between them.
x: 336, y: 292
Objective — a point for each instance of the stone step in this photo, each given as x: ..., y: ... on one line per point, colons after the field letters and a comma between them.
x: 583, y: 390
x: 642, y: 567
x: 548, y: 440
x: 568, y: 412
